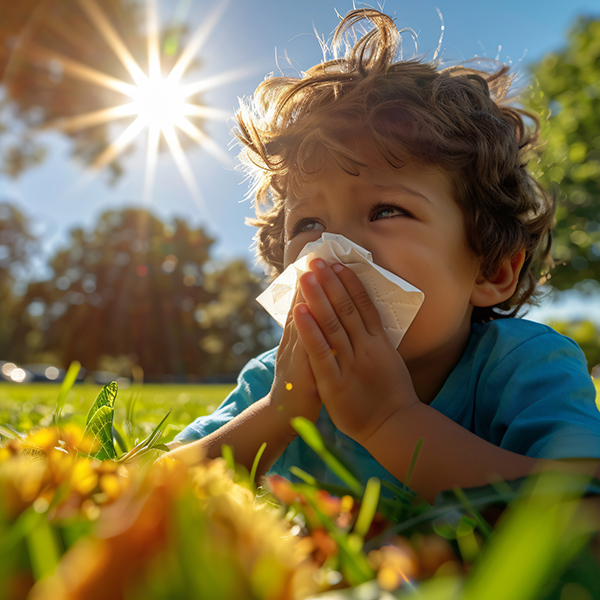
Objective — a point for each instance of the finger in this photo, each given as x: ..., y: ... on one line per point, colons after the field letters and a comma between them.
x: 289, y: 330
x: 341, y: 301
x: 324, y: 313
x: 321, y: 358
x: 360, y: 298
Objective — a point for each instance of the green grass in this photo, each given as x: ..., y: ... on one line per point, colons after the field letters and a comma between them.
x: 29, y: 406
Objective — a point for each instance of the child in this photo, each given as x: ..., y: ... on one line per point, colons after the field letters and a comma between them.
x: 426, y: 170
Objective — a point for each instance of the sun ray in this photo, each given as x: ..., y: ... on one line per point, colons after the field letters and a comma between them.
x: 97, y: 117
x: 153, y: 40
x: 81, y: 71
x: 151, y: 159
x: 196, y: 41
x: 112, y: 38
x: 205, y: 112
x: 214, y: 81
x: 204, y: 140
x: 120, y: 143
x: 182, y: 162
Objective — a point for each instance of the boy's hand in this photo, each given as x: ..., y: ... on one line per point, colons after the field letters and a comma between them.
x: 361, y: 378
x: 294, y: 392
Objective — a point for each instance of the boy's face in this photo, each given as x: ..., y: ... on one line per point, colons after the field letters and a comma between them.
x: 410, y: 223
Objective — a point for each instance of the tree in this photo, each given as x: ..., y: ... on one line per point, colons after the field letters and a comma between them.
x: 17, y: 245
x: 36, y: 36
x: 568, y: 97
x: 137, y: 288
x: 586, y: 334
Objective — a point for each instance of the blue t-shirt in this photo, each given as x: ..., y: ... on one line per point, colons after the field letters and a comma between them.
x: 519, y: 385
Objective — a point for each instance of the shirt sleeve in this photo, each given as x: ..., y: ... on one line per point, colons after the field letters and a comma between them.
x: 254, y: 382
x: 546, y: 401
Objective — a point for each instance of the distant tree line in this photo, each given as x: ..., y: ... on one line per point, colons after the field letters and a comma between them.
x: 132, y: 291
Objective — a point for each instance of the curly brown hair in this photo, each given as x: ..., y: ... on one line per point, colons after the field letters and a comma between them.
x: 457, y: 118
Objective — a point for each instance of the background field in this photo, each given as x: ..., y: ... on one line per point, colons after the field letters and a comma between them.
x: 27, y: 406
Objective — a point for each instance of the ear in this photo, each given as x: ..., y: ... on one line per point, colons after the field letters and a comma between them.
x: 489, y: 292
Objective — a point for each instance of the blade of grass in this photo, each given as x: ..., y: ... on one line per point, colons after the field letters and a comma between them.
x: 118, y: 438
x: 146, y: 444
x: 354, y: 563
x: 332, y: 488
x: 368, y: 507
x: 413, y: 460
x: 310, y: 434
x: 43, y: 549
x: 484, y: 527
x: 538, y: 537
x: 303, y: 475
x: 227, y: 453
x: 128, y: 425
x: 65, y: 388
x: 11, y: 433
x: 255, y: 465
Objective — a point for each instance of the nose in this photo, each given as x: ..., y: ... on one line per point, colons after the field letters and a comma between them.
x: 351, y: 233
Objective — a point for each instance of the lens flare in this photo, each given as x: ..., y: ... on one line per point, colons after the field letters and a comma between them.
x: 159, y: 103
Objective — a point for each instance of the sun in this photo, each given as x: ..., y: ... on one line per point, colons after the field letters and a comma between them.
x: 158, y: 103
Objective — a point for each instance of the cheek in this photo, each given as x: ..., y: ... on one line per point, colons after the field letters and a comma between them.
x: 290, y: 252
x: 293, y: 248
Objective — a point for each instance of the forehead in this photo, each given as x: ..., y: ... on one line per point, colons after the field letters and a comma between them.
x: 375, y: 175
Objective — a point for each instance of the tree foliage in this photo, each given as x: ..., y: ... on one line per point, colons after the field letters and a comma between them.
x: 586, y: 334
x: 17, y: 244
x: 147, y: 292
x: 567, y: 95
x: 38, y: 41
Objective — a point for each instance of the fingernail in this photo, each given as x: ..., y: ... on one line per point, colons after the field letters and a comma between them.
x: 303, y: 308
x: 336, y: 268
x: 310, y: 277
x: 320, y: 263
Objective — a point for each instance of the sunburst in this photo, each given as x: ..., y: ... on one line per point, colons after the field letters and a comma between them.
x: 159, y: 104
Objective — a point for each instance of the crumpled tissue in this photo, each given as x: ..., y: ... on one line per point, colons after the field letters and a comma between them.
x: 396, y: 300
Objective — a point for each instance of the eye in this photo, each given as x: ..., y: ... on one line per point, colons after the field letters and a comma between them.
x: 307, y: 225
x: 387, y: 211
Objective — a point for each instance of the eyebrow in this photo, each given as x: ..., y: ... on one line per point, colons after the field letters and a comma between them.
x: 401, y: 188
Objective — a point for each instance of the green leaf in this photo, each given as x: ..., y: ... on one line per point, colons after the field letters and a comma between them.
x: 106, y: 397
x: 65, y: 388
x: 99, y: 424
x: 310, y: 434
x: 100, y: 430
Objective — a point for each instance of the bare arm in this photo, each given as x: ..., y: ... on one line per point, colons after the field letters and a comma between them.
x: 451, y: 456
x: 260, y: 422
x: 369, y: 395
x: 294, y: 393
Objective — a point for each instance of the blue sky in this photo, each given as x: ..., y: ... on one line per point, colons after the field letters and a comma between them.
x: 263, y: 36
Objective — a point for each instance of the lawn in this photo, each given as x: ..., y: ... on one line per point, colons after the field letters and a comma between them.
x: 165, y: 532
x: 31, y: 405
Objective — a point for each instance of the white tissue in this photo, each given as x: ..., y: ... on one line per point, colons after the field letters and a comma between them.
x: 396, y: 300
